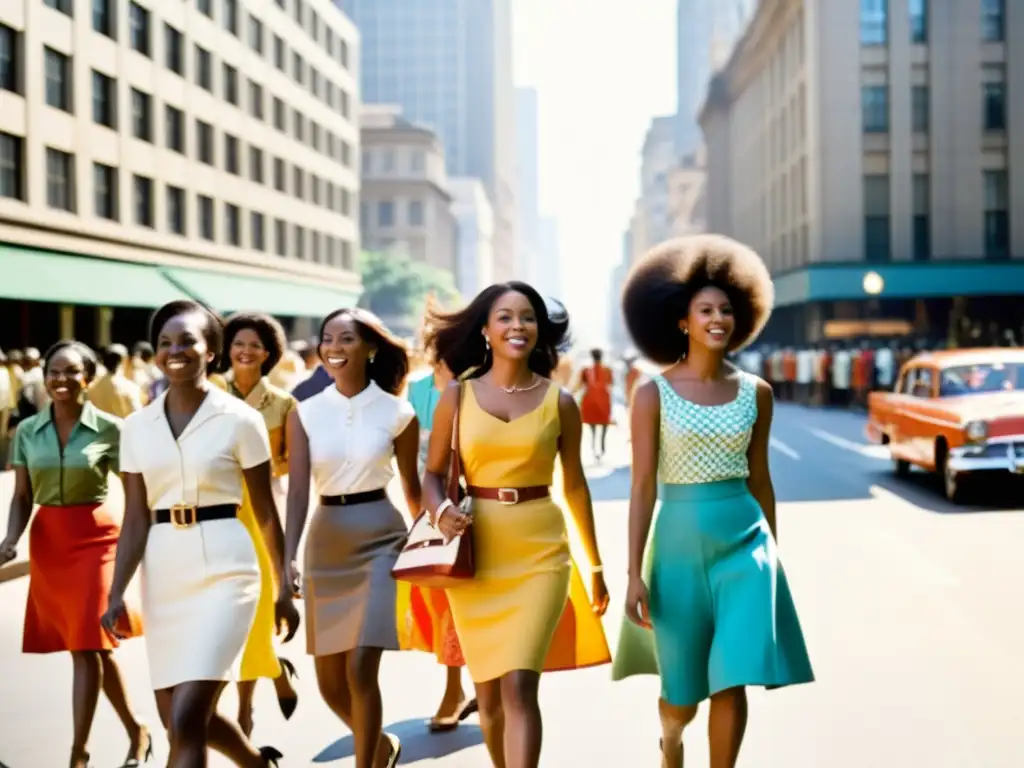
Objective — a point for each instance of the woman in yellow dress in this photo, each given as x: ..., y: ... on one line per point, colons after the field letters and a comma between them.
x: 526, y: 610
x: 254, y: 343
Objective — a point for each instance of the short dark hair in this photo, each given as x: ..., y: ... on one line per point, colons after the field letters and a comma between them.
x: 89, y: 361
x: 113, y: 356
x: 597, y: 354
x: 266, y: 327
x: 456, y: 337
x: 391, y: 363
x: 213, y: 326
x: 660, y: 287
x: 143, y: 350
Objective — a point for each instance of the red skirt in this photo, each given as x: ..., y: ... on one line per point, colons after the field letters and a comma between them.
x: 596, y: 406
x: 71, y: 566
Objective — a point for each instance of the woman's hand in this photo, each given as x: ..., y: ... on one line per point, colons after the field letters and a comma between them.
x: 637, y: 600
x: 453, y: 523
x: 286, y: 615
x: 292, y: 578
x: 598, y: 593
x: 116, y: 615
x: 8, y: 551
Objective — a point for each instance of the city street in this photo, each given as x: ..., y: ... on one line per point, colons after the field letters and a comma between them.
x: 911, y: 610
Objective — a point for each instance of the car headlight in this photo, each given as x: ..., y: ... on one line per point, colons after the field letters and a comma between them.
x: 976, y: 431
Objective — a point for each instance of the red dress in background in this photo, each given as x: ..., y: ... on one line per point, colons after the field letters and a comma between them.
x: 596, y: 406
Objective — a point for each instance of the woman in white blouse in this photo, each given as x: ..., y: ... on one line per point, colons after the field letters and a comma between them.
x: 347, y: 437
x: 184, y: 459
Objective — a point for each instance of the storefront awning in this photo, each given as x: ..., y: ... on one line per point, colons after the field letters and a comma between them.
x: 29, y: 274
x: 284, y: 298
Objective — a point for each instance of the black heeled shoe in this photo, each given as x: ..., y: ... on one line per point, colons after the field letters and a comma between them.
x: 396, y: 749
x: 147, y: 754
x: 270, y: 756
x: 289, y: 703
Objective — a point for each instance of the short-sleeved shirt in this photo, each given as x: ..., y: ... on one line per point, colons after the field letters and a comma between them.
x: 351, y: 440
x: 204, y: 465
x: 79, y: 476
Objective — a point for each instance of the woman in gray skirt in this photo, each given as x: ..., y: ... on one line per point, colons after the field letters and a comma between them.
x: 346, y: 438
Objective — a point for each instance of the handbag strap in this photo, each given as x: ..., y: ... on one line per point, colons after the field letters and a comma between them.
x: 454, y: 461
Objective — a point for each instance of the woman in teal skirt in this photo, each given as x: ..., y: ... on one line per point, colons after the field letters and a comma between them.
x: 709, y: 609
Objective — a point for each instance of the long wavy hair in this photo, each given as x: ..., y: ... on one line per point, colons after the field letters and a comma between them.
x: 391, y: 362
x: 457, y: 338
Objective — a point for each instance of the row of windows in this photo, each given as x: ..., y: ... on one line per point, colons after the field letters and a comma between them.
x: 874, y: 21
x: 414, y: 214
x: 877, y: 216
x: 107, y: 204
x: 875, y: 108
x: 59, y: 93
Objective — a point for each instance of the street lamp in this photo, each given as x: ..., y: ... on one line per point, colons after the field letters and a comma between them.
x: 873, y: 283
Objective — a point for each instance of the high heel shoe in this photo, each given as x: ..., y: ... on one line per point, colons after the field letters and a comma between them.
x: 396, y: 749
x: 270, y: 756
x: 147, y: 753
x: 288, y: 703
x: 81, y: 759
x: 445, y: 724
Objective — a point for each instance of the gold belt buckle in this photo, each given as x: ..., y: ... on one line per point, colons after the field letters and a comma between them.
x: 508, y: 496
x: 184, y: 515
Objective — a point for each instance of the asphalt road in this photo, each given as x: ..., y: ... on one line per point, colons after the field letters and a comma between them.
x: 911, y: 609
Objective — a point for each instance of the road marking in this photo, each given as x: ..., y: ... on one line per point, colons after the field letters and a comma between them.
x: 870, y: 451
x: 781, y: 447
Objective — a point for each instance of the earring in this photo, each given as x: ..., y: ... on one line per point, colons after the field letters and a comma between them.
x: 487, y: 342
x: 686, y: 331
x: 372, y: 355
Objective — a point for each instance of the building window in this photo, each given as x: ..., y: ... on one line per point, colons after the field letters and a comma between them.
x: 919, y: 21
x: 346, y: 201
x: 143, y: 201
x: 300, y: 242
x: 231, y: 161
x: 12, y: 167
x: 314, y: 242
x: 64, y: 6
x: 280, y: 53
x: 280, y: 115
x: 104, y: 100
x: 874, y: 22
x: 346, y: 154
x: 58, y: 79
x: 993, y: 21
x: 997, y: 215
x: 920, y: 109
x: 385, y: 213
x: 298, y: 183
x: 415, y: 213
x: 174, y: 127
x: 280, y: 238
x: 60, y: 180
x: 204, y: 138
x: 231, y: 16
x: 204, y: 69
x: 279, y: 174
x: 314, y: 188
x: 176, y: 210
x: 205, y: 7
x: 256, y: 100
x: 343, y: 54
x: 257, y: 238
x: 874, y: 101
x: 298, y: 68
x: 256, y: 164
x: 174, y: 50
x: 418, y: 162
x: 103, y: 18
x: 8, y: 59
x: 207, y: 230
x: 233, y: 224
x: 995, y: 106
x: 922, y: 217
x: 256, y: 35
x: 230, y: 82
x: 877, y: 231
x: 142, y: 115
x: 138, y: 28
x: 344, y: 102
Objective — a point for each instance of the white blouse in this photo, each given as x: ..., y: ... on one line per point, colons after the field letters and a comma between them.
x: 351, y: 440
x: 204, y: 465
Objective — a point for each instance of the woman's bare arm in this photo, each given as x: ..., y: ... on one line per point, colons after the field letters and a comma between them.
x: 407, y: 450
x: 645, y: 418
x: 760, y: 480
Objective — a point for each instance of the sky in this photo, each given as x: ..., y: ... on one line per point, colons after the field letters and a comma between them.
x: 601, y: 75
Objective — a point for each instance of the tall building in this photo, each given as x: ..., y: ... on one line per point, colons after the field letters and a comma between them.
x: 448, y: 63
x: 657, y: 159
x: 150, y: 151
x: 687, y: 202
x: 528, y: 259
x: 868, y: 153
x: 475, y: 250
x: 405, y: 203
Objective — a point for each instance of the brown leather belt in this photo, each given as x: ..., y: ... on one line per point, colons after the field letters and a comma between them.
x: 509, y: 496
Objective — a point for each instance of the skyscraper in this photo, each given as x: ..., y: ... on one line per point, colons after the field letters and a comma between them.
x: 448, y: 63
x: 527, y: 186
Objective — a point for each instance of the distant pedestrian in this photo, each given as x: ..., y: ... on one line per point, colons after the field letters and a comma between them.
x: 712, y: 588
x: 596, y: 406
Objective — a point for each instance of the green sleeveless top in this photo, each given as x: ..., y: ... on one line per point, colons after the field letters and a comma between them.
x: 705, y: 443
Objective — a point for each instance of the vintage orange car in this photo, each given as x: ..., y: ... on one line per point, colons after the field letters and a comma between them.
x: 954, y: 412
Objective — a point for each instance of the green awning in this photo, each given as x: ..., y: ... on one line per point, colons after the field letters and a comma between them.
x: 30, y: 274
x: 284, y: 298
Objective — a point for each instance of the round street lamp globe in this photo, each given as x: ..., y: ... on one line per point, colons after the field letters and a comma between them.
x: 873, y: 283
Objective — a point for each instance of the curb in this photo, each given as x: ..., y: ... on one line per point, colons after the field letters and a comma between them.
x: 11, y: 571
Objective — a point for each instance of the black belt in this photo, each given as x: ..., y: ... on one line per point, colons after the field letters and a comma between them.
x: 187, y: 515
x: 348, y: 499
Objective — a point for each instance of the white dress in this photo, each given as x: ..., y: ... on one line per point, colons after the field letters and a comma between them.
x: 200, y: 585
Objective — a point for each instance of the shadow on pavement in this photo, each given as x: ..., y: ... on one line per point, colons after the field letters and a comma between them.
x: 417, y: 742
x: 613, y: 486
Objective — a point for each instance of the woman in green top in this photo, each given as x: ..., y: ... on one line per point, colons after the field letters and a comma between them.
x: 62, y: 458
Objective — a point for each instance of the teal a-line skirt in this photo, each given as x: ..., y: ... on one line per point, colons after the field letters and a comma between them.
x: 721, y: 608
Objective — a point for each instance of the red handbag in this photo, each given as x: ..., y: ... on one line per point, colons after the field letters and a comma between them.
x: 428, y: 559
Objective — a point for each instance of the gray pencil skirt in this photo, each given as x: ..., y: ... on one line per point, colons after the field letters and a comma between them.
x: 349, y: 593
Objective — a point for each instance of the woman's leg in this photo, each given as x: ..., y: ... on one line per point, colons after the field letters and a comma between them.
x: 604, y: 437
x: 523, y: 725
x: 113, y: 688
x: 454, y: 695
x: 673, y: 721
x: 195, y: 726
x: 246, y: 690
x: 87, y: 680
x: 492, y: 720
x: 362, y: 670
x: 727, y: 723
x: 332, y: 680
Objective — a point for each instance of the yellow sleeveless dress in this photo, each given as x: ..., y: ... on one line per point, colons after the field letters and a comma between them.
x: 526, y: 608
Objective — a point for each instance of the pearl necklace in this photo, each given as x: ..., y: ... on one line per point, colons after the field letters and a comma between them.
x: 514, y: 389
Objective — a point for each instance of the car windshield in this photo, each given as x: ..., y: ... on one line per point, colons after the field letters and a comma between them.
x: 984, y: 377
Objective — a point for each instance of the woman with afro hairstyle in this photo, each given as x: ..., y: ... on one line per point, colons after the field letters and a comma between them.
x: 712, y: 588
